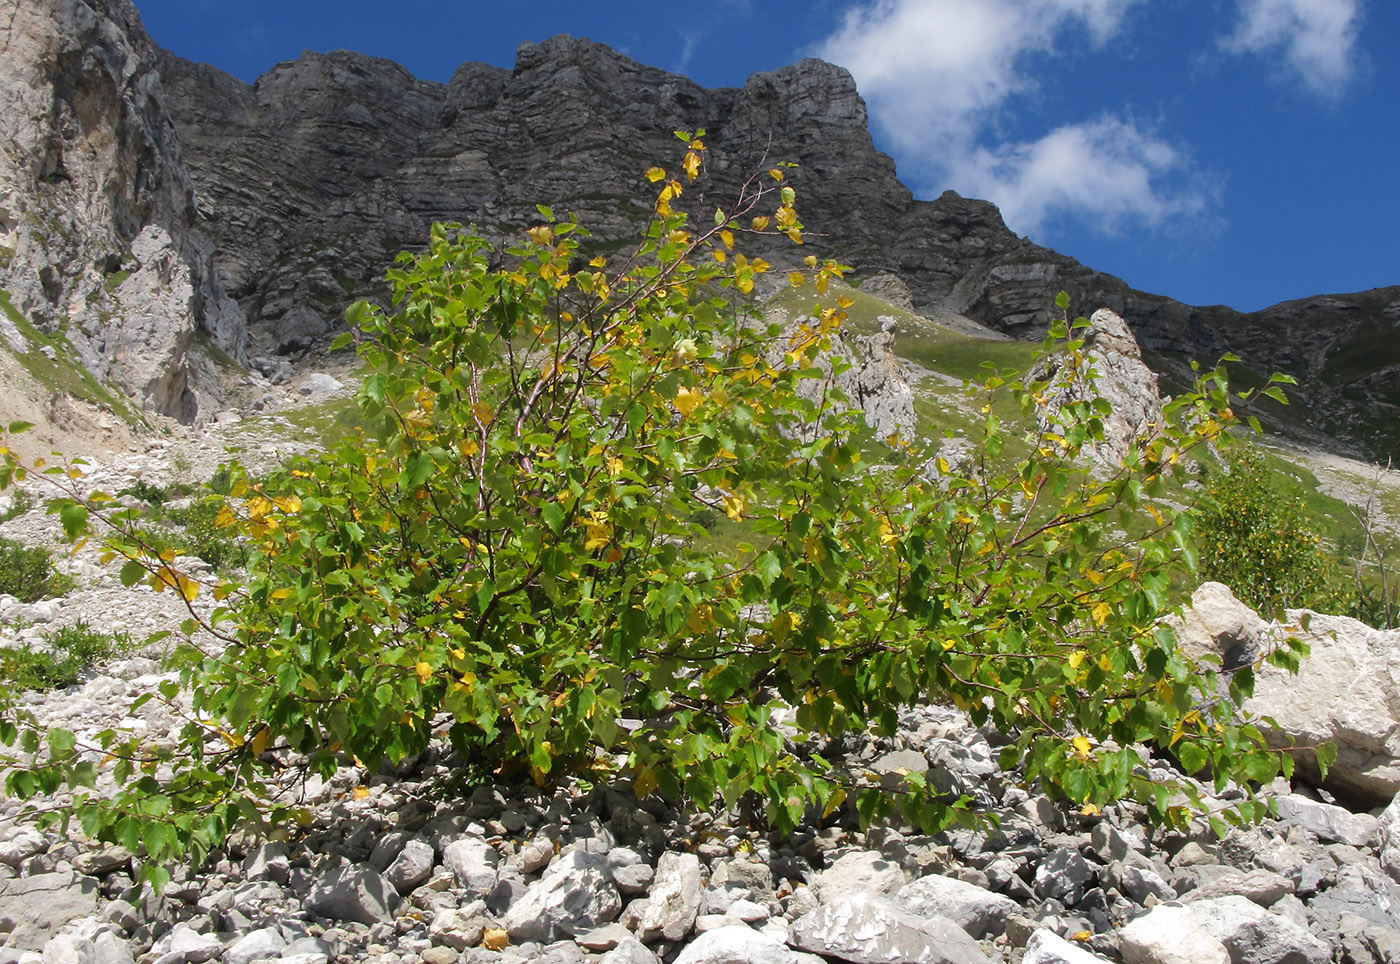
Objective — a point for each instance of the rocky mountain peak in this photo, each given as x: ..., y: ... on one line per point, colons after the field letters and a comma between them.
x: 295, y: 193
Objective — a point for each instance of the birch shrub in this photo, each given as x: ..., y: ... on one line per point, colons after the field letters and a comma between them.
x: 512, y: 559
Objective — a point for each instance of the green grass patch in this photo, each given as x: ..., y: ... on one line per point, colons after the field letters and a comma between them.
x: 27, y: 573
x: 61, y: 373
x: 60, y: 662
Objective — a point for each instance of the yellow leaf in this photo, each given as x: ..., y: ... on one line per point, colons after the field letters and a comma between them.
x: 1101, y: 612
x: 760, y: 222
x: 1081, y: 746
x: 795, y: 234
x: 734, y: 507
x: 645, y: 783
x: 260, y: 742
x: 424, y: 671
x: 598, y: 261
x: 797, y: 279
x: 838, y: 797
x: 727, y: 237
x: 483, y: 412
x: 1080, y: 936
x: 1088, y: 810
x: 700, y: 618
x: 887, y: 534
x: 1076, y: 657
x: 361, y: 793
x: 691, y: 165
x: 721, y: 257
x: 949, y: 644
x: 655, y: 174
x: 687, y: 400
x: 543, y: 234
x: 598, y: 530
x: 775, y: 173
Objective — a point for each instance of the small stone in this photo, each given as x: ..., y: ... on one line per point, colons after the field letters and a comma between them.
x: 474, y: 861
x: 674, y: 900
x: 1047, y: 947
x: 411, y: 867
x: 256, y: 945
x: 353, y: 893
x: 1064, y: 876
x: 860, y: 872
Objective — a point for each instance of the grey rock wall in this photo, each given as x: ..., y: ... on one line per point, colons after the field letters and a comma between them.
x: 96, y: 207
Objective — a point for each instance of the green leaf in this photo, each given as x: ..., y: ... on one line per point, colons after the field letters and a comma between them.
x: 132, y: 573
x: 769, y: 567
x: 1326, y: 754
x: 74, y: 518
x: 14, y: 428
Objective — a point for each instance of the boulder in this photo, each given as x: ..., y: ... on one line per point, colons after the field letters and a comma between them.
x: 1168, y: 935
x: 1346, y: 692
x: 859, y: 872
x: 675, y: 898
x: 575, y: 895
x: 975, y: 909
x: 863, y: 929
x: 353, y: 893
x: 1253, y: 935
x: 737, y: 944
x: 32, y: 909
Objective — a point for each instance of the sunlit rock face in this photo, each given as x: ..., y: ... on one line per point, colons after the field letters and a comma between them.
x: 96, y: 209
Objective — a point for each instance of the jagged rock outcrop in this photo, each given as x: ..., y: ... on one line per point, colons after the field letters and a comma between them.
x: 1123, y: 380
x: 312, y: 178
x: 96, y: 207
x: 873, y: 380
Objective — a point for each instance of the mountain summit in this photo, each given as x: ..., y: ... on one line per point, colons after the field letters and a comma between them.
x: 285, y: 199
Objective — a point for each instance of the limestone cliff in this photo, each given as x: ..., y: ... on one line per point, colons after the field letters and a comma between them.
x: 293, y: 194
x: 95, y: 205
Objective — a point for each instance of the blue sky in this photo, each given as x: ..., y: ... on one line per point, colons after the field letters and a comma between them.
x: 1240, y: 152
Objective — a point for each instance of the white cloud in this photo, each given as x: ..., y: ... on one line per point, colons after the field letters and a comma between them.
x: 937, y: 74
x: 1109, y: 172
x: 1318, y: 37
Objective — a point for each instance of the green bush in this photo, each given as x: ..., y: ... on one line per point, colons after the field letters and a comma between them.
x: 198, y: 534
x: 1258, y: 540
x: 66, y: 653
x: 27, y: 573
x: 20, y: 503
x: 515, y: 551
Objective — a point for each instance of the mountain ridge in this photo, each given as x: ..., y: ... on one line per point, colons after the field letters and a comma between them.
x: 309, y: 181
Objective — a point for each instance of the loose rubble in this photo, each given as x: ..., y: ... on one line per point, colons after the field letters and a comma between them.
x: 402, y: 866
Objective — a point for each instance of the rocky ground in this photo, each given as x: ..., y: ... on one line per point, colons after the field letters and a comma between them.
x: 407, y: 866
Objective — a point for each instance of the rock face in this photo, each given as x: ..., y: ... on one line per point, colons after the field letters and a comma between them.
x: 312, y: 178
x: 293, y: 195
x: 1124, y: 380
x: 1347, y: 692
x: 96, y: 207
